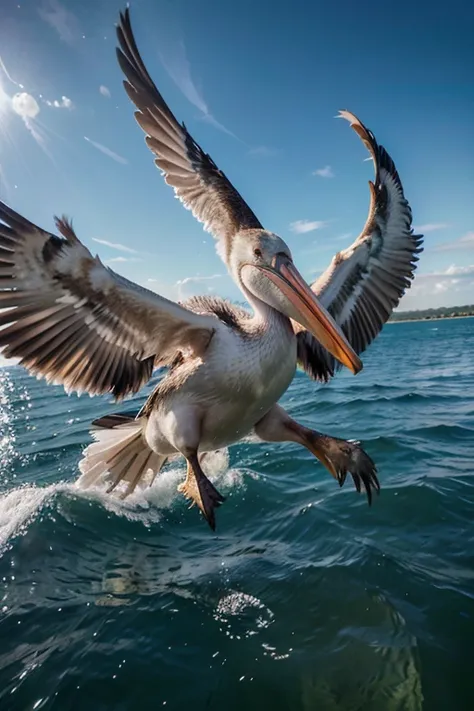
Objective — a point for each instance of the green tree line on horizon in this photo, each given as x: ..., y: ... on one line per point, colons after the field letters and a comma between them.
x: 441, y: 312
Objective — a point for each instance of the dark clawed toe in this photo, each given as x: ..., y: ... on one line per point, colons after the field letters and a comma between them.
x: 341, y: 477
x: 356, y: 479
x: 204, y: 494
x: 211, y: 500
x: 366, y: 473
x: 352, y: 458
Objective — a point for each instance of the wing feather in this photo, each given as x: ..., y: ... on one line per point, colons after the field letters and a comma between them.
x: 197, y: 181
x: 364, y: 283
x: 73, y: 321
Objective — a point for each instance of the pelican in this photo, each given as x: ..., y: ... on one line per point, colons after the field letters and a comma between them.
x: 73, y: 321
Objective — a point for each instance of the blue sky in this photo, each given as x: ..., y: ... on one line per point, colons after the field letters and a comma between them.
x: 258, y: 85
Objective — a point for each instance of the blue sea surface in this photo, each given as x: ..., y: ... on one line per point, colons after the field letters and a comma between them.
x: 305, y: 599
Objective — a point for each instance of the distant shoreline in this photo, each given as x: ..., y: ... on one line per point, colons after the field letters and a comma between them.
x: 432, y: 318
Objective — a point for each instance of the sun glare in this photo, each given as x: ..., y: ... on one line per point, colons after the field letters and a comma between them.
x: 4, y: 101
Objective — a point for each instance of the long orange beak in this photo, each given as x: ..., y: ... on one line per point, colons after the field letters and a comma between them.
x: 312, y: 315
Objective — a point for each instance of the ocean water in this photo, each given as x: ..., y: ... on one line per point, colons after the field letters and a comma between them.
x: 304, y: 599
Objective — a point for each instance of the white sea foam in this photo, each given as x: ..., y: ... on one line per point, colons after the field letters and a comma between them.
x: 19, y: 507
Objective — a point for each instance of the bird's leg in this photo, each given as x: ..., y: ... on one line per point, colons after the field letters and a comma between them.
x: 182, y: 427
x: 200, y: 490
x: 338, y: 455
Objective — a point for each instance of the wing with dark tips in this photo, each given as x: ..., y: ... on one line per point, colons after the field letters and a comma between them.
x: 197, y: 181
x: 73, y: 321
x: 364, y: 283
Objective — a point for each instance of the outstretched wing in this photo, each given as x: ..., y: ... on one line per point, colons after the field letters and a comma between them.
x: 73, y: 321
x: 197, y: 181
x: 364, y: 283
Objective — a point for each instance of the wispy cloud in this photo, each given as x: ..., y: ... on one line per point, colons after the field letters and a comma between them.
x: 169, y: 291
x: 209, y: 118
x: 115, y: 260
x: 431, y: 227
x: 303, y: 226
x: 115, y: 245
x: 8, y: 75
x: 326, y: 172
x: 183, y: 288
x: 181, y: 284
x: 106, y: 151
x: 177, y: 65
x: 325, y: 244
x: 263, y: 151
x: 189, y: 280
x: 464, y: 242
x: 63, y: 103
x: 105, y: 91
x: 60, y: 19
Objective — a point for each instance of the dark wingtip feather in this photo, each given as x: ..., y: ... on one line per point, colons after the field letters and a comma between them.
x: 64, y: 226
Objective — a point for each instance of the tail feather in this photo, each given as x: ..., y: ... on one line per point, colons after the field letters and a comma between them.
x: 114, y: 420
x: 119, y: 453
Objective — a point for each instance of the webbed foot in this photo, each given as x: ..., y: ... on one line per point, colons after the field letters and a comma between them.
x: 342, y: 457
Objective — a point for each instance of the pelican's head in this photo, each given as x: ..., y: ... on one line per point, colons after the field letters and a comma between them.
x: 261, y: 261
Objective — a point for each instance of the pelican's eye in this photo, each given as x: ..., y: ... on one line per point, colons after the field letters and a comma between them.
x: 257, y: 252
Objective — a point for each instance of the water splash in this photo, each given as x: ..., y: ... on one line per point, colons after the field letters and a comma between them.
x: 20, y: 506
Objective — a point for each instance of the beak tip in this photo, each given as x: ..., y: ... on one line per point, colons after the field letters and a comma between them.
x: 358, y: 366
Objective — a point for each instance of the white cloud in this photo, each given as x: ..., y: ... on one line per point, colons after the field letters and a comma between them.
x: 104, y: 91
x: 106, y: 151
x: 303, y: 226
x: 346, y: 236
x: 115, y: 245
x: 64, y: 103
x: 431, y: 227
x: 464, y: 242
x: 60, y: 19
x: 448, y: 287
x: 179, y: 69
x: 326, y: 172
x: 465, y: 271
